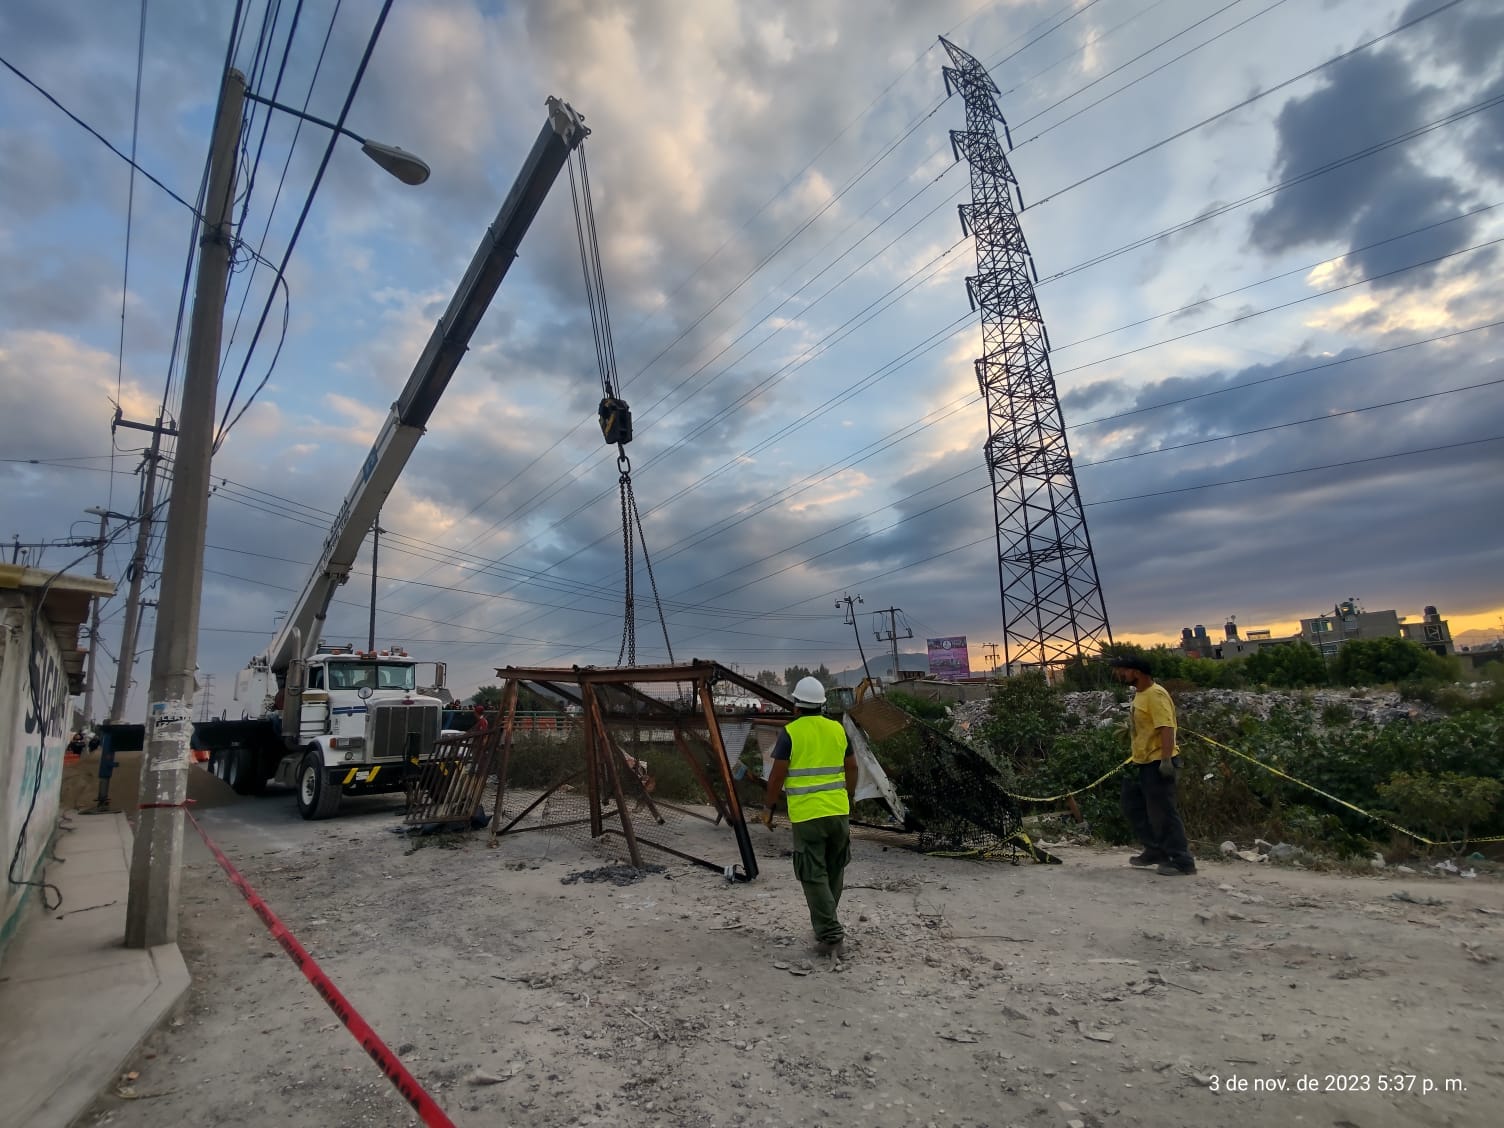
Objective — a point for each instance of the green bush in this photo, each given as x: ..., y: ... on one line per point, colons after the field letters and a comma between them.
x: 936, y: 712
x: 1024, y: 717
x: 1336, y: 714
x: 1445, y: 807
x: 1387, y: 661
x: 1291, y: 665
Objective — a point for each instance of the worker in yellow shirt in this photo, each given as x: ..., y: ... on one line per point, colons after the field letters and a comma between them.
x: 815, y: 769
x: 1149, y: 784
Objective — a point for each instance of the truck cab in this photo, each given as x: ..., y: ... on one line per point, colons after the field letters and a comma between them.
x: 353, y: 721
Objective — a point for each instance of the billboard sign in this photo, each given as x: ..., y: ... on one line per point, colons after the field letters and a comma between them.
x: 948, y: 658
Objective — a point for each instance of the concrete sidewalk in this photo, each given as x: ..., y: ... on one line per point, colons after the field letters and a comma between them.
x: 76, y: 1002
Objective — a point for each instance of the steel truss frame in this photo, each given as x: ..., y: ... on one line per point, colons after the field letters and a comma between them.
x: 611, y: 701
x: 1052, y: 604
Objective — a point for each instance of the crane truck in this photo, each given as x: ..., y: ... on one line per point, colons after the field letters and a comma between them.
x: 331, y: 721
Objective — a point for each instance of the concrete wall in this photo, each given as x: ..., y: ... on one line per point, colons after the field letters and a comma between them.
x: 32, y: 739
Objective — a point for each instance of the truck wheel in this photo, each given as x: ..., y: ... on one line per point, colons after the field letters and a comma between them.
x: 244, y: 766
x: 229, y: 768
x: 318, y: 798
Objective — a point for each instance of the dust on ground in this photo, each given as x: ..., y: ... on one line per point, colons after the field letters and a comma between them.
x: 975, y: 993
x: 80, y: 787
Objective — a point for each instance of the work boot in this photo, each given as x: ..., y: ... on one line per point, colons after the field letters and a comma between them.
x: 1147, y: 858
x: 1169, y: 869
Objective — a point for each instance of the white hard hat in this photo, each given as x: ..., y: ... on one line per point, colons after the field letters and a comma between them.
x: 809, y: 691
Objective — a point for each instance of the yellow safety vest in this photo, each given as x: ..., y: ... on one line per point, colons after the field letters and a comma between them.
x: 816, y: 784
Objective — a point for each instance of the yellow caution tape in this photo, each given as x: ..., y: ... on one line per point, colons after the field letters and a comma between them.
x: 1340, y: 802
x: 1067, y: 794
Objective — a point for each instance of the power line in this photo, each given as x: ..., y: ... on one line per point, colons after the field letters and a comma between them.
x: 1147, y: 74
x: 567, y: 476
x: 1252, y: 98
x: 1302, y: 470
x: 130, y: 210
x: 1057, y: 349
x: 1291, y: 423
x: 1220, y: 210
x: 226, y: 423
x: 1294, y: 372
x: 1283, y: 305
x: 963, y: 321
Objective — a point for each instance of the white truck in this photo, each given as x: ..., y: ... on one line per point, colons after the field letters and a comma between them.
x: 329, y: 721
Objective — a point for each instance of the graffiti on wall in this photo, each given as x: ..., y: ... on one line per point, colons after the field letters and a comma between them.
x: 38, y: 739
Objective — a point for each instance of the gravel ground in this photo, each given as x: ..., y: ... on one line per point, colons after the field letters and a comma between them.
x: 975, y: 993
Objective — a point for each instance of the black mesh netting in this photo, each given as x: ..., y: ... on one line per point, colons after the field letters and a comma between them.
x: 955, y: 798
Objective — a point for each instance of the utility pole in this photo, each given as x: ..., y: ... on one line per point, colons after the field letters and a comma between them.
x: 151, y: 915
x: 891, y: 632
x: 991, y: 650
x: 206, y: 697
x: 104, y: 524
x: 849, y: 602
x: 376, y: 531
x: 130, y: 632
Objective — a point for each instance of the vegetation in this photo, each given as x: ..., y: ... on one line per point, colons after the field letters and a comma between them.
x: 793, y: 674
x: 1444, y: 807
x: 1442, y: 778
x: 1383, y: 661
x: 1292, y: 665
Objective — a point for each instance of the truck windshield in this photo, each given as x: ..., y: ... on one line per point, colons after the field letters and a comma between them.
x: 362, y: 675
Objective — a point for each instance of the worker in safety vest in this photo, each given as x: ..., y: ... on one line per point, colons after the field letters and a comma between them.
x: 815, y: 770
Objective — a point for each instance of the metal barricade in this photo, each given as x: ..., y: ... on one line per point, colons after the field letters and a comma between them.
x: 449, y: 782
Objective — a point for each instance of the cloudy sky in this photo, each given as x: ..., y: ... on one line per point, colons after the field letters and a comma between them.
x: 1296, y: 295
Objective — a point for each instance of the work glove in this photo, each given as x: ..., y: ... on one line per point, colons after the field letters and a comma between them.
x: 767, y: 818
x: 1167, y: 769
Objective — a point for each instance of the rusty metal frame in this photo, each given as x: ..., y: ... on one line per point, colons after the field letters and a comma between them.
x: 605, y: 762
x: 449, y: 782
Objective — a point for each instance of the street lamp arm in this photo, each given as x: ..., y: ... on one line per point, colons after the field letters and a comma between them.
x: 253, y: 97
x: 403, y: 165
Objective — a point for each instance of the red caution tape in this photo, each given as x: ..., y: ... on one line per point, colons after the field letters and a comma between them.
x: 405, y: 1083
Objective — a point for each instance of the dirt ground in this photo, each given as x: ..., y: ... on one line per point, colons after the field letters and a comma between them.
x: 975, y: 993
x: 80, y: 788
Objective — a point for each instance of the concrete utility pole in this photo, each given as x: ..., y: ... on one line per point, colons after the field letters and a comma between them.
x: 849, y: 602
x: 151, y: 915
x: 104, y: 524
x: 376, y: 531
x: 131, y: 630
x: 891, y: 632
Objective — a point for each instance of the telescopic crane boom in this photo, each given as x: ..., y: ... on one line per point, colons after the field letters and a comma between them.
x: 300, y: 631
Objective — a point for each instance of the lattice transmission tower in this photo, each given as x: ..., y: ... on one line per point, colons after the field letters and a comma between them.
x: 1052, y: 602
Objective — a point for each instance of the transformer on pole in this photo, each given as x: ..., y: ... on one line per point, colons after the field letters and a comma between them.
x: 1052, y: 602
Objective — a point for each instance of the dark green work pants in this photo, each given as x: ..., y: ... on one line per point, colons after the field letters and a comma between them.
x: 822, y: 847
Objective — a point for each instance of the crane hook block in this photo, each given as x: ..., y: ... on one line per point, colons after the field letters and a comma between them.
x: 616, y: 421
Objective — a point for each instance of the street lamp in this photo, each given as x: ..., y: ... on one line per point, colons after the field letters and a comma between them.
x: 399, y: 162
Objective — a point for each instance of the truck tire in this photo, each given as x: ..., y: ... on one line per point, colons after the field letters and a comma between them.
x: 318, y: 798
x: 245, y: 774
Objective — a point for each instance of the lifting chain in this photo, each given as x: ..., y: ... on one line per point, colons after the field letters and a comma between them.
x: 615, y: 415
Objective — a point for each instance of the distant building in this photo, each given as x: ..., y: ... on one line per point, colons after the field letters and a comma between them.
x: 1196, y: 643
x: 1347, y: 621
x: 1432, y: 632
